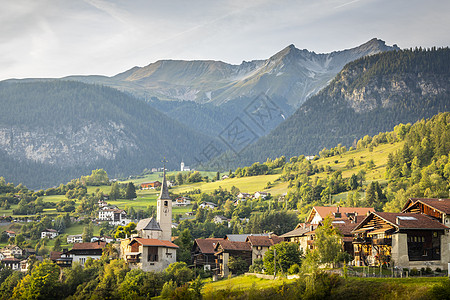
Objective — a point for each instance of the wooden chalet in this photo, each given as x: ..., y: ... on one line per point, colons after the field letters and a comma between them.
x: 226, y: 249
x: 318, y: 213
x: 203, y: 253
x: 438, y: 209
x: 405, y: 239
x: 260, y: 244
x: 301, y: 235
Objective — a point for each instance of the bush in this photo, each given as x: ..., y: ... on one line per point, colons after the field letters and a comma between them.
x: 428, y: 270
x: 414, y: 272
x: 168, y: 289
x: 438, y: 270
x: 294, y: 269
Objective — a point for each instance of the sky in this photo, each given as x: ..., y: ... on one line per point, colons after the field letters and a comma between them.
x: 56, y: 38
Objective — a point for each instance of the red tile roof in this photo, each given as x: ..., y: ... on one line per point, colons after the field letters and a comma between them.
x: 207, y: 245
x: 325, y: 211
x: 442, y: 205
x: 420, y: 221
x: 154, y: 242
x: 264, y: 241
x: 89, y: 246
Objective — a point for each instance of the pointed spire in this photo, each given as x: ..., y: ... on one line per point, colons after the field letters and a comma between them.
x: 164, y: 189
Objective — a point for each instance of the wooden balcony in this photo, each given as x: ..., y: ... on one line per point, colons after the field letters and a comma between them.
x: 133, y: 260
x: 382, y: 241
x: 362, y: 240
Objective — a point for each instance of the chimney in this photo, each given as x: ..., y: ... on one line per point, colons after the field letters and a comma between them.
x: 338, y: 209
x: 397, y: 221
x: 311, y: 227
x: 356, y: 217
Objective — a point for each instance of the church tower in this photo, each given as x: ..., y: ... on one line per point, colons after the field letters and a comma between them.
x: 182, y: 166
x: 164, y: 210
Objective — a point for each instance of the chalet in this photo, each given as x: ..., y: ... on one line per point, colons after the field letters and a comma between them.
x: 226, y: 249
x: 61, y: 260
x: 75, y: 238
x: 203, y: 253
x: 150, y: 185
x: 260, y: 244
x: 409, y: 240
x: 12, y: 263
x: 102, y: 203
x: 225, y: 177
x: 182, y: 201
x: 12, y: 251
x: 438, y: 209
x: 10, y: 233
x: 49, y: 233
x: 262, y: 195
x: 148, y: 254
x: 82, y: 251
x: 208, y: 205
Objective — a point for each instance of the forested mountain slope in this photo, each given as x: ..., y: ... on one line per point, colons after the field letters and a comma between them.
x: 51, y: 132
x: 370, y: 95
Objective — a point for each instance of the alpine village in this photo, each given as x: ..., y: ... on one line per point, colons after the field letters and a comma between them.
x: 135, y: 187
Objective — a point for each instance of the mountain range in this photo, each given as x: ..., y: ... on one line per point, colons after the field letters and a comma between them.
x: 370, y: 95
x: 53, y: 131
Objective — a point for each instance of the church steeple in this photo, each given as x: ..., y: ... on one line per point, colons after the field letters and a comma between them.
x: 164, y: 195
x: 164, y: 209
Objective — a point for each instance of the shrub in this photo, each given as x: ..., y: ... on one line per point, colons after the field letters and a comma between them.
x: 414, y: 272
x: 294, y: 269
x: 438, y: 270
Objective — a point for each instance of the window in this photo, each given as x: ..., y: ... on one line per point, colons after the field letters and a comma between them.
x: 166, y: 203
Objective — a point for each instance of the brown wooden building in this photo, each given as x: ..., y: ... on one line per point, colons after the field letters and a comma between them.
x: 203, y: 253
x: 226, y: 249
x: 404, y: 239
x: 438, y: 209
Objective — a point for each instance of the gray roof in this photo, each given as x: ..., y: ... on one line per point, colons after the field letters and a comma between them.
x: 164, y: 189
x: 243, y: 237
x: 148, y: 224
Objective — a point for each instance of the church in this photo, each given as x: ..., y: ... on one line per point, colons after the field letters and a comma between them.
x: 151, y: 248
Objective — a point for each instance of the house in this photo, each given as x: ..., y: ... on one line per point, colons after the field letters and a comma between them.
x: 301, y: 235
x: 244, y: 196
x: 10, y: 233
x: 225, y: 177
x: 106, y: 239
x: 260, y: 244
x: 226, y: 249
x: 242, y: 237
x: 438, y: 209
x: 12, y: 263
x: 202, y: 253
x: 410, y: 240
x: 102, y: 203
x: 148, y: 254
x: 114, y: 216
x: 82, y: 251
x: 219, y: 219
x: 182, y: 201
x: 26, y: 263
x: 208, y: 205
x: 49, y: 233
x: 12, y: 251
x: 318, y: 213
x: 262, y: 195
x: 150, y: 185
x: 61, y: 260
x: 75, y: 238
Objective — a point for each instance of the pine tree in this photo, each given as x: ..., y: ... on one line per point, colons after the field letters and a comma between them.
x: 130, y: 192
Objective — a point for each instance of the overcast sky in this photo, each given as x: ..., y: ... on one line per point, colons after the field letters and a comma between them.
x: 55, y: 38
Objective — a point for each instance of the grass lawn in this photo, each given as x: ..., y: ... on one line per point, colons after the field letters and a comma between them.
x: 244, y: 184
x: 242, y: 283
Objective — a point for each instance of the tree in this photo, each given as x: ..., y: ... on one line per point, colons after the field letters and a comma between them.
x: 179, y: 272
x: 42, y: 283
x: 328, y: 242
x: 57, y: 246
x: 123, y: 232
x: 88, y: 233
x: 237, y: 265
x: 130, y: 192
x: 114, y: 194
x: 286, y: 255
x: 185, y: 243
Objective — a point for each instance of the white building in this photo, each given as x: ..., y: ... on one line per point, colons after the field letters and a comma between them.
x: 49, y: 233
x: 208, y: 205
x: 75, y: 238
x: 182, y: 201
